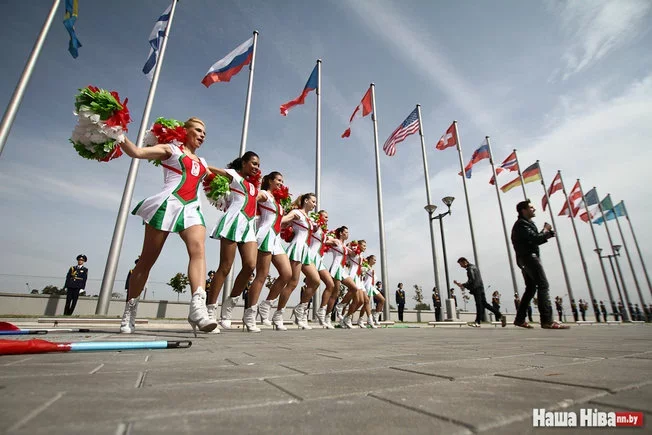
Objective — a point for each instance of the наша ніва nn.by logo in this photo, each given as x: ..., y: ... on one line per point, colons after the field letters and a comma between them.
x: 588, y: 417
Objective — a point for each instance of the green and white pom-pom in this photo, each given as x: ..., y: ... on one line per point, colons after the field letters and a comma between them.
x: 217, y: 190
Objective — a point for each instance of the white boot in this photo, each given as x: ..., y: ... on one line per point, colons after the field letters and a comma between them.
x: 370, y: 322
x: 321, y: 316
x: 339, y: 308
x: 300, y: 316
x: 348, y: 322
x: 128, y: 324
x: 198, y: 315
x: 376, y: 316
x: 277, y: 320
x: 360, y: 322
x: 263, y: 310
x: 249, y: 319
x: 327, y: 322
x: 212, y: 314
x: 227, y: 311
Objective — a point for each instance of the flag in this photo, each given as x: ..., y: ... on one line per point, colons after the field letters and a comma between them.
x: 555, y: 186
x: 480, y: 154
x: 69, y: 19
x: 606, y: 203
x: 448, y: 139
x: 311, y: 85
x: 575, y: 199
x: 231, y: 64
x: 591, y: 197
x: 509, y: 164
x: 364, y: 108
x: 617, y: 211
x: 588, y: 217
x: 531, y: 173
x: 407, y: 127
x: 155, y: 40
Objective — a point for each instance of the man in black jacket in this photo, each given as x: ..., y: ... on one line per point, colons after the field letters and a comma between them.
x: 526, y: 239
x: 75, y: 282
x: 475, y: 286
x: 400, y: 301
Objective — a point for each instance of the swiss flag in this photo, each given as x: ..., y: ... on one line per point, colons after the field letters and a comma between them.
x: 364, y: 108
x: 554, y: 187
x: 575, y: 199
x: 448, y: 139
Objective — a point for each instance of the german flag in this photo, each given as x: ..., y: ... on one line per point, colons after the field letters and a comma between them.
x: 531, y: 173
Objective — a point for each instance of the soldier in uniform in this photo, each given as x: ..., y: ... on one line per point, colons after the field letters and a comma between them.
x: 604, y: 311
x: 574, y: 309
x: 583, y: 306
x: 436, y: 303
x: 596, y: 309
x: 614, y: 310
x: 559, y: 306
x: 400, y: 301
x: 75, y: 282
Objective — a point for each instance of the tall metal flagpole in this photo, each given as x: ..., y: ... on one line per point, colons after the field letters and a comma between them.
x: 594, y: 301
x: 520, y: 175
x: 228, y: 282
x: 597, y: 247
x: 432, y: 231
x: 315, y: 298
x: 638, y: 248
x: 17, y: 97
x: 631, y: 263
x: 502, y: 218
x: 121, y: 222
x: 381, y: 219
x: 466, y: 195
x: 554, y: 227
x: 613, y: 251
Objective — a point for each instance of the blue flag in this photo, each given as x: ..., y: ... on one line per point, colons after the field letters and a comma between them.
x: 155, y: 40
x: 591, y: 197
x: 69, y: 19
x: 614, y: 213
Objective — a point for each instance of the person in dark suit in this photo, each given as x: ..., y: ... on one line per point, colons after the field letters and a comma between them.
x: 614, y: 310
x: 526, y: 239
x: 596, y: 309
x: 475, y: 286
x: 436, y: 303
x: 574, y: 310
x: 209, y: 280
x: 400, y: 301
x: 75, y: 282
x: 604, y: 310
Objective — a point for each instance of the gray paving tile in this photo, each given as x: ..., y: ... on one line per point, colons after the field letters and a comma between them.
x: 637, y: 399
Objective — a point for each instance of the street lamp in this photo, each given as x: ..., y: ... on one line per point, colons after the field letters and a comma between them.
x: 616, y: 253
x: 430, y: 208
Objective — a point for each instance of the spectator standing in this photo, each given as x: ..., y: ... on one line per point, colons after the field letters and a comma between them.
x: 604, y: 311
x: 75, y: 283
x: 436, y: 304
x: 400, y: 301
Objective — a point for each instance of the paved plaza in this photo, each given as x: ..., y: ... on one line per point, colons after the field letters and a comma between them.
x: 398, y: 380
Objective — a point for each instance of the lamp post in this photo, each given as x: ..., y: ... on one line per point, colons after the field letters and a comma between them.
x: 616, y: 250
x: 430, y: 208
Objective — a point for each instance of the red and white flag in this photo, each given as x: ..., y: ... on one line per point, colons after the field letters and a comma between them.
x: 555, y: 186
x: 448, y: 139
x: 575, y: 199
x: 364, y: 108
x: 509, y: 164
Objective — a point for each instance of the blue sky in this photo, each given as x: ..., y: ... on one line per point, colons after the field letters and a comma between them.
x: 568, y: 83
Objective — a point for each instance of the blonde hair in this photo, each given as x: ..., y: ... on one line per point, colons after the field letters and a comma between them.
x: 193, y: 120
x: 298, y: 203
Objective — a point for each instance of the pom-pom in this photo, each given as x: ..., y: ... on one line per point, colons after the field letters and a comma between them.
x: 283, y: 197
x: 165, y: 130
x: 255, y: 179
x: 287, y: 234
x: 102, y: 120
x: 217, y: 189
x: 319, y: 220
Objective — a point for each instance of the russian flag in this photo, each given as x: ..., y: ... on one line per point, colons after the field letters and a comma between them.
x: 231, y: 64
x: 480, y: 154
x: 310, y: 86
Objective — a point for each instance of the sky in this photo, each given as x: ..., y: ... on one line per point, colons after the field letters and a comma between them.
x: 566, y: 82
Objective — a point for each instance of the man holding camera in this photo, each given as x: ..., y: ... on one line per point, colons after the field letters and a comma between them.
x: 475, y: 286
x: 526, y: 239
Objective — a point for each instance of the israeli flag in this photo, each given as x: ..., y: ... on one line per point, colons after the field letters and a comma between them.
x: 155, y: 40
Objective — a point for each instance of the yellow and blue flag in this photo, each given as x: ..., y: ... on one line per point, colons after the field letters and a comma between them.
x: 69, y: 19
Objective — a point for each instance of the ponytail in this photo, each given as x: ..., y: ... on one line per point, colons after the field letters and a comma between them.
x: 237, y: 163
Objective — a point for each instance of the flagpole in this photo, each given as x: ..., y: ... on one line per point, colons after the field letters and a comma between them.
x: 17, y: 97
x: 594, y: 301
x: 502, y: 218
x: 520, y: 175
x: 629, y: 260
x: 432, y: 231
x: 597, y: 247
x: 554, y: 227
x: 466, y: 196
x: 315, y: 297
x: 638, y: 249
x: 627, y: 315
x: 228, y: 282
x: 379, y: 196
x: 108, y: 279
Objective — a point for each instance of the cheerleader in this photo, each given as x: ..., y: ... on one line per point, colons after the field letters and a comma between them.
x: 355, y: 299
x: 299, y: 254
x: 336, y: 267
x: 317, y: 247
x: 236, y: 229
x: 372, y: 293
x: 175, y: 209
x: 270, y: 250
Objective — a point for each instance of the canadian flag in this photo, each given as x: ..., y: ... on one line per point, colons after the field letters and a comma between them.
x: 364, y: 108
x: 575, y: 199
x: 448, y: 139
x: 554, y: 187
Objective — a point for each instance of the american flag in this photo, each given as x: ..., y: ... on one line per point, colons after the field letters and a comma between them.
x: 407, y: 127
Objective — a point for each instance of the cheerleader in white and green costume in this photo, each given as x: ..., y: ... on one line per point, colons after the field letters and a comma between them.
x: 317, y: 244
x: 238, y: 223
x: 175, y: 209
x: 371, y: 292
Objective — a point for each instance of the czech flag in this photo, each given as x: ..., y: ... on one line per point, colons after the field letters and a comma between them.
x: 231, y: 64
x: 310, y: 86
